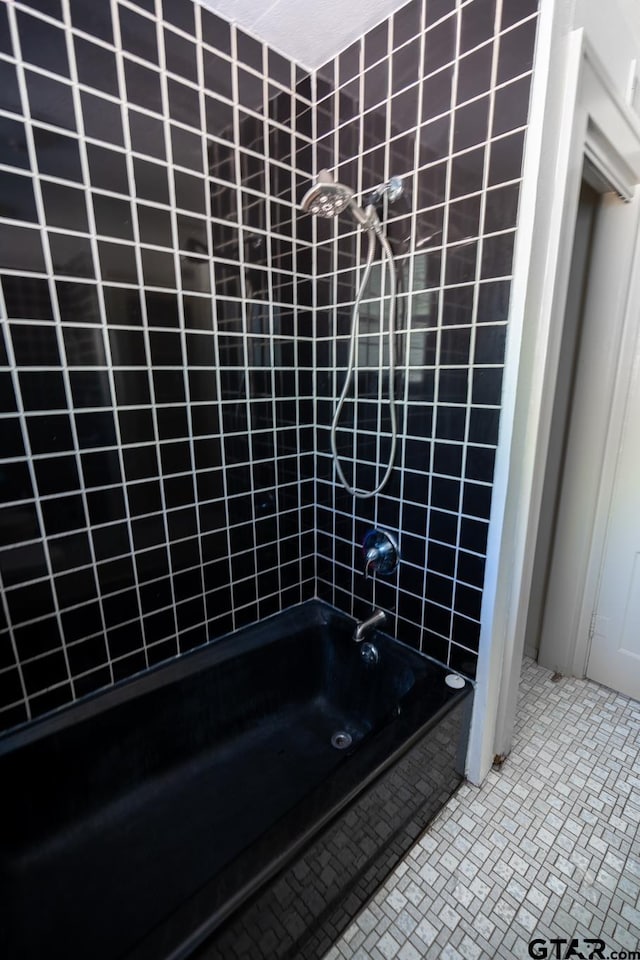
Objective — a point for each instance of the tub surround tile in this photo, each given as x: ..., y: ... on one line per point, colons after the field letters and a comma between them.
x: 114, y: 476
x: 439, y: 97
x: 167, y: 366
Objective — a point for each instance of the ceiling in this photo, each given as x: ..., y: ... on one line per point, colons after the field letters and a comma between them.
x: 308, y: 33
x: 312, y: 33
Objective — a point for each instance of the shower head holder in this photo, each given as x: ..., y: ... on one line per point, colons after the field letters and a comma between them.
x: 392, y: 190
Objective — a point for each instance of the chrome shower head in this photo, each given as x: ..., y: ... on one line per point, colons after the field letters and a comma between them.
x: 326, y: 198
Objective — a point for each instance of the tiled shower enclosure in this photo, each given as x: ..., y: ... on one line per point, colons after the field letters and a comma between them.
x: 174, y: 329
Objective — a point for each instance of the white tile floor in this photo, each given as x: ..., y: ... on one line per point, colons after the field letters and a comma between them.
x: 547, y: 848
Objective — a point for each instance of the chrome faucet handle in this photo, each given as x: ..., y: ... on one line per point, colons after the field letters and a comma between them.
x: 380, y: 553
x: 371, y: 561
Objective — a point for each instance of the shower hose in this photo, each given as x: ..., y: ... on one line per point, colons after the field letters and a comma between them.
x: 373, y: 230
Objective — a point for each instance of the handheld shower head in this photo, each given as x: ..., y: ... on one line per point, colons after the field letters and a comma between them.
x: 326, y: 198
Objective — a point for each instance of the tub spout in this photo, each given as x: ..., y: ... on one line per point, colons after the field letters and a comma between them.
x: 364, y: 627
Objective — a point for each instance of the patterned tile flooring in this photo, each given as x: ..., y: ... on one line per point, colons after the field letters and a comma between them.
x: 547, y: 849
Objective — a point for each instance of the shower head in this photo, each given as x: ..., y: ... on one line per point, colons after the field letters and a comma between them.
x: 327, y: 198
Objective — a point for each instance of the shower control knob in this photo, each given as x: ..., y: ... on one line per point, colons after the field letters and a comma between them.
x: 380, y: 553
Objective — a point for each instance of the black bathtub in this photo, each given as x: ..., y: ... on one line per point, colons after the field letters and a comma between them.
x: 202, y: 810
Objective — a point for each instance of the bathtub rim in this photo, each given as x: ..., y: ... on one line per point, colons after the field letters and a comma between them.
x: 182, y: 666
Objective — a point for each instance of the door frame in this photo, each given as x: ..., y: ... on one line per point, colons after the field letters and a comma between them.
x: 590, y: 119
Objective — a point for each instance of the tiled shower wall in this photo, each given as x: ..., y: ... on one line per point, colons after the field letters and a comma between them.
x: 166, y: 396
x: 157, y: 471
x: 437, y: 95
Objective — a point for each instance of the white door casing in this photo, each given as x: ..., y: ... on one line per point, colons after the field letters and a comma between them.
x: 574, y: 112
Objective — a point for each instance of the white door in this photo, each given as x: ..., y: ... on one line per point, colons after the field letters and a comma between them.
x: 586, y: 476
x: 614, y: 659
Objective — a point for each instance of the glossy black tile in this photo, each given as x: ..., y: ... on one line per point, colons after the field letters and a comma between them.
x: 63, y: 514
x: 516, y: 51
x: 407, y: 23
x: 474, y: 73
x: 91, y: 388
x: 108, y: 169
x: 497, y: 256
x: 122, y: 306
x: 102, y: 119
x: 17, y: 198
x: 470, y: 124
x: 127, y: 348
x: 158, y: 268
x: 42, y: 44
x: 186, y: 149
x: 101, y: 468
x: 71, y: 256
x: 64, y: 207
x: 512, y: 14
x: 136, y: 426
x: 19, y: 524
x: 439, y: 45
x: 84, y: 346
x: 467, y: 172
x: 511, y: 106
x: 96, y: 66
x: 143, y: 86
x: 109, y: 541
x: 56, y: 475
x: 493, y: 302
x: 250, y: 90
x: 15, y: 482
x: 180, y: 13
x: 155, y: 225
x: 13, y: 144
x: 6, y: 45
x: 506, y: 158
x: 50, y: 434
x: 92, y: 19
x: 477, y: 23
x: 21, y: 249
x: 42, y: 390
x: 45, y: 672
x: 50, y: 101
x: 9, y: 91
x: 35, y: 345
x: 37, y: 638
x: 151, y: 181
x: 147, y: 134
x: 74, y: 588
x: 57, y: 154
x: 140, y: 463
x: 184, y: 103
x: 216, y: 32
x: 118, y: 262
x: 138, y: 35
x: 11, y: 442
x: 113, y: 217
x: 217, y: 75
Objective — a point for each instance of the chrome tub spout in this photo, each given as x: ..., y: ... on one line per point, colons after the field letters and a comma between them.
x: 364, y: 627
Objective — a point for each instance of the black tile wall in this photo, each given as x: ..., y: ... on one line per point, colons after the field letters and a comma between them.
x: 155, y: 371
x: 174, y: 331
x: 438, y: 94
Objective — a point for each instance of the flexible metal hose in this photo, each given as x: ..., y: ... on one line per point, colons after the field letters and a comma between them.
x: 373, y: 229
